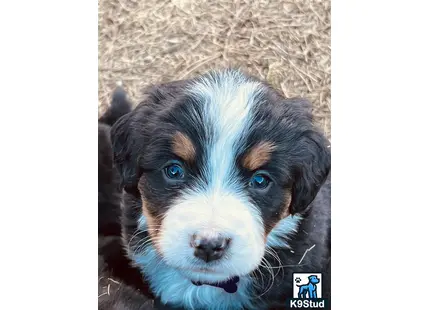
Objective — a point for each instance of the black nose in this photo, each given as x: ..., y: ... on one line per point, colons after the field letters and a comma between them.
x: 209, y: 249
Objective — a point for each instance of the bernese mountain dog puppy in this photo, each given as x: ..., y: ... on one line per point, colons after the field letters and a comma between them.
x: 226, y: 193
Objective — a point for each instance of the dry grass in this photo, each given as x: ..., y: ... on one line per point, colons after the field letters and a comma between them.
x: 143, y: 42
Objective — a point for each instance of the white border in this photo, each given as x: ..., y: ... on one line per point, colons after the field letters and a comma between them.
x: 380, y: 143
x: 48, y: 69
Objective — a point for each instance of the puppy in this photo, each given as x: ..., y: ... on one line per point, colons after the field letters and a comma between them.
x: 226, y: 192
x: 120, y: 285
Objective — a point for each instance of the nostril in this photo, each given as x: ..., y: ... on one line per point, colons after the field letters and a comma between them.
x: 195, y: 241
x: 221, y: 244
x: 226, y: 243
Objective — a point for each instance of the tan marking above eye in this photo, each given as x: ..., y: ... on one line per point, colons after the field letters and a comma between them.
x: 183, y: 147
x: 258, y: 156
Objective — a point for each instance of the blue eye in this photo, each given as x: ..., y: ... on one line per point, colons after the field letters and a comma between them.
x: 259, y: 181
x: 174, y: 171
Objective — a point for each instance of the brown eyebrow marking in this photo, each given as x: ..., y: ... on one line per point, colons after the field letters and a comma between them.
x: 183, y: 147
x: 258, y: 155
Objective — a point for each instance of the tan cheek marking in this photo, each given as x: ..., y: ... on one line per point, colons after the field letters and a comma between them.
x: 286, y: 210
x: 154, y: 225
x: 183, y: 147
x: 283, y: 214
x: 258, y: 155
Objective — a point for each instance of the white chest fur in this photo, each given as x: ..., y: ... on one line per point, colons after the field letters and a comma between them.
x: 172, y: 287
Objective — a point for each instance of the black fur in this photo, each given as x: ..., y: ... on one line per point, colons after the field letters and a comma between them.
x: 109, y: 191
x: 119, y: 106
x: 315, y: 230
x: 120, y: 285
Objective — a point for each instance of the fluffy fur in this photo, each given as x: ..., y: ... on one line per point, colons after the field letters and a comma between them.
x: 120, y: 285
x: 274, y: 231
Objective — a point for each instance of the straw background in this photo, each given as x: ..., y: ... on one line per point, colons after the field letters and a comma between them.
x: 144, y: 42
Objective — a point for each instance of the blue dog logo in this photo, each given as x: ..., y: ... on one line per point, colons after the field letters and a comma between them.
x: 309, y: 290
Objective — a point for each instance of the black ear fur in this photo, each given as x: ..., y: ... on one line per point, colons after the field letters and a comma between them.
x: 124, y: 158
x: 312, y: 155
x: 315, y: 168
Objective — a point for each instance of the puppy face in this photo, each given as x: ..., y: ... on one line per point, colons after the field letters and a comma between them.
x: 217, y: 165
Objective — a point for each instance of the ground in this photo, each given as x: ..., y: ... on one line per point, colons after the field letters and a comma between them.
x: 287, y: 43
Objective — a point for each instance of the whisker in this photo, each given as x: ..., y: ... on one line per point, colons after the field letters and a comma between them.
x: 304, y: 254
x: 264, y: 264
x: 275, y: 255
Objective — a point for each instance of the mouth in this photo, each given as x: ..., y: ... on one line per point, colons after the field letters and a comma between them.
x: 202, y: 271
x: 204, y: 274
x: 193, y: 266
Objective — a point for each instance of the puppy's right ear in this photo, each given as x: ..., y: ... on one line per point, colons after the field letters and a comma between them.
x: 123, y: 153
